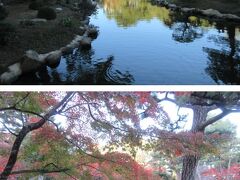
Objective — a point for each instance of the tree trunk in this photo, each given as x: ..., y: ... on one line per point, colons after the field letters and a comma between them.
x: 189, y: 167
x: 14, y: 152
x: 190, y: 161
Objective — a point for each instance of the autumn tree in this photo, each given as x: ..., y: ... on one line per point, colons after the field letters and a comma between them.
x: 83, y: 119
x: 224, y: 162
x: 88, y: 116
x: 202, y: 104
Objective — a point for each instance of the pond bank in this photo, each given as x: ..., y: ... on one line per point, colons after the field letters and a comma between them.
x: 209, y: 13
x: 33, y: 35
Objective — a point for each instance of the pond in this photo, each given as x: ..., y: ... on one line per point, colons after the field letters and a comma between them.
x: 140, y: 43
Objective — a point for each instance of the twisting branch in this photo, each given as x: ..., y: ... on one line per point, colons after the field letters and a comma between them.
x: 24, y: 131
x: 214, y: 119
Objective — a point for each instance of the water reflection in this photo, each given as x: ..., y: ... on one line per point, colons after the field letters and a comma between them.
x: 187, y: 28
x: 79, y: 68
x: 224, y: 63
x: 129, y: 12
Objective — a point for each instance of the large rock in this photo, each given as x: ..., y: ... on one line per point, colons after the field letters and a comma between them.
x: 86, y: 43
x: 92, y: 33
x: 53, y: 59
x: 66, y: 50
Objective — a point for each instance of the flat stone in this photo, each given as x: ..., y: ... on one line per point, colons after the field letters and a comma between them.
x: 31, y: 54
x: 231, y: 16
x: 38, y: 20
x: 59, y: 9
x: 172, y: 6
x: 186, y: 10
x: 14, y: 71
x: 212, y: 12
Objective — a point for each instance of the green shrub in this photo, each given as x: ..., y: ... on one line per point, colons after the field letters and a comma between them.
x: 67, y: 22
x: 46, y: 13
x: 35, y: 5
x: 7, y: 31
x: 3, y: 12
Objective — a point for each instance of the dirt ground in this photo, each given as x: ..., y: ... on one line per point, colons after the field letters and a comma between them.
x: 43, y: 37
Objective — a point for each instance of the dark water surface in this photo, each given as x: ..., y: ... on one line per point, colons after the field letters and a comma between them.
x: 144, y: 44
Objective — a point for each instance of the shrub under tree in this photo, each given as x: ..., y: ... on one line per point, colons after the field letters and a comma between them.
x: 47, y: 13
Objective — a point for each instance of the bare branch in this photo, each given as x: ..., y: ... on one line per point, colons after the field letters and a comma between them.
x: 42, y: 171
x: 77, y: 105
x: 24, y: 98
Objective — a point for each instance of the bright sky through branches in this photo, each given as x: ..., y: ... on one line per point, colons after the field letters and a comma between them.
x: 172, y: 109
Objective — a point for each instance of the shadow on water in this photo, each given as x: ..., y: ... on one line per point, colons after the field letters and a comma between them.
x: 224, y: 63
x: 79, y: 68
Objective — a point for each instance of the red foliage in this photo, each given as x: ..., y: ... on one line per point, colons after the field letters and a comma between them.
x: 47, y: 132
x: 233, y: 172
x: 178, y: 152
x: 124, y: 166
x: 17, y: 166
x: 180, y: 93
x: 46, y: 99
x: 143, y: 96
x: 33, y: 119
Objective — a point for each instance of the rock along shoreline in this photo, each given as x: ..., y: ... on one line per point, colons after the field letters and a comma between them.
x: 209, y: 13
x: 32, y: 60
